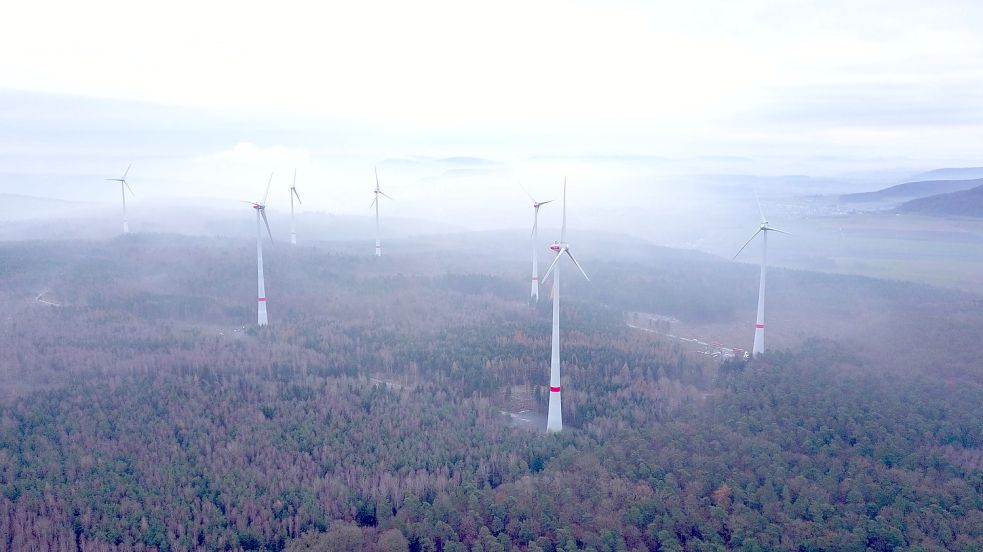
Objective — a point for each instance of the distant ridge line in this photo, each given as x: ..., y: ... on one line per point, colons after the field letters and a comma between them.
x: 912, y: 190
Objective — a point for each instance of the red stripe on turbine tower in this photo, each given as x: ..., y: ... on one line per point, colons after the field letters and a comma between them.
x: 759, y: 326
x: 262, y: 299
x: 554, y: 389
x: 535, y: 277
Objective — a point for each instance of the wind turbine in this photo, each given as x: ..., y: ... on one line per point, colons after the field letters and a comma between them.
x: 375, y: 203
x: 260, y: 282
x: 534, y: 294
x: 123, y: 187
x: 554, y: 420
x: 759, y: 325
x: 293, y: 194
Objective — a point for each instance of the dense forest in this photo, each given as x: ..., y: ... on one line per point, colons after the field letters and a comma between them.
x: 143, y: 411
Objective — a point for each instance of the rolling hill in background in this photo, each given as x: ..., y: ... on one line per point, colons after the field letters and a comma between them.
x: 24, y: 207
x: 951, y: 173
x: 24, y: 217
x: 912, y: 190
x: 965, y: 203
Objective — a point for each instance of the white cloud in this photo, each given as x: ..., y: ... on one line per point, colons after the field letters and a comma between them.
x: 632, y: 76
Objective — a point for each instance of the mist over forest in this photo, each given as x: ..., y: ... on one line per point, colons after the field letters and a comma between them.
x: 392, y: 402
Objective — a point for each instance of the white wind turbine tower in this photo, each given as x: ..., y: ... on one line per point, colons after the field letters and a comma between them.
x: 123, y: 187
x: 759, y: 326
x: 260, y: 282
x: 534, y: 294
x: 293, y: 194
x: 375, y: 203
x: 554, y: 420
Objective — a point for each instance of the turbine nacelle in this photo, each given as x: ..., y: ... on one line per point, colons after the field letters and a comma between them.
x: 560, y: 249
x: 260, y: 207
x: 535, y: 204
x: 293, y: 189
x: 122, y: 180
x: 375, y: 201
x: 763, y: 228
x: 378, y: 192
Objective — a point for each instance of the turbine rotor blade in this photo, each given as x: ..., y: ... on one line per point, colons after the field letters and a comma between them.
x: 383, y: 194
x: 760, y: 210
x: 297, y: 195
x: 541, y: 203
x: 552, y: 265
x: 127, y: 184
x: 376, y: 169
x: 563, y: 229
x: 525, y: 191
x: 268, y: 231
x: 777, y: 230
x: 127, y: 171
x: 267, y: 194
x: 569, y: 254
x: 747, y: 243
x: 374, y: 201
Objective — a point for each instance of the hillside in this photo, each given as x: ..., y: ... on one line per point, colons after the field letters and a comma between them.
x: 911, y: 190
x: 951, y: 173
x: 23, y: 217
x: 23, y: 207
x: 965, y: 203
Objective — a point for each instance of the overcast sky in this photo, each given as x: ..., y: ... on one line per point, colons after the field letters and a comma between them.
x: 194, y: 90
